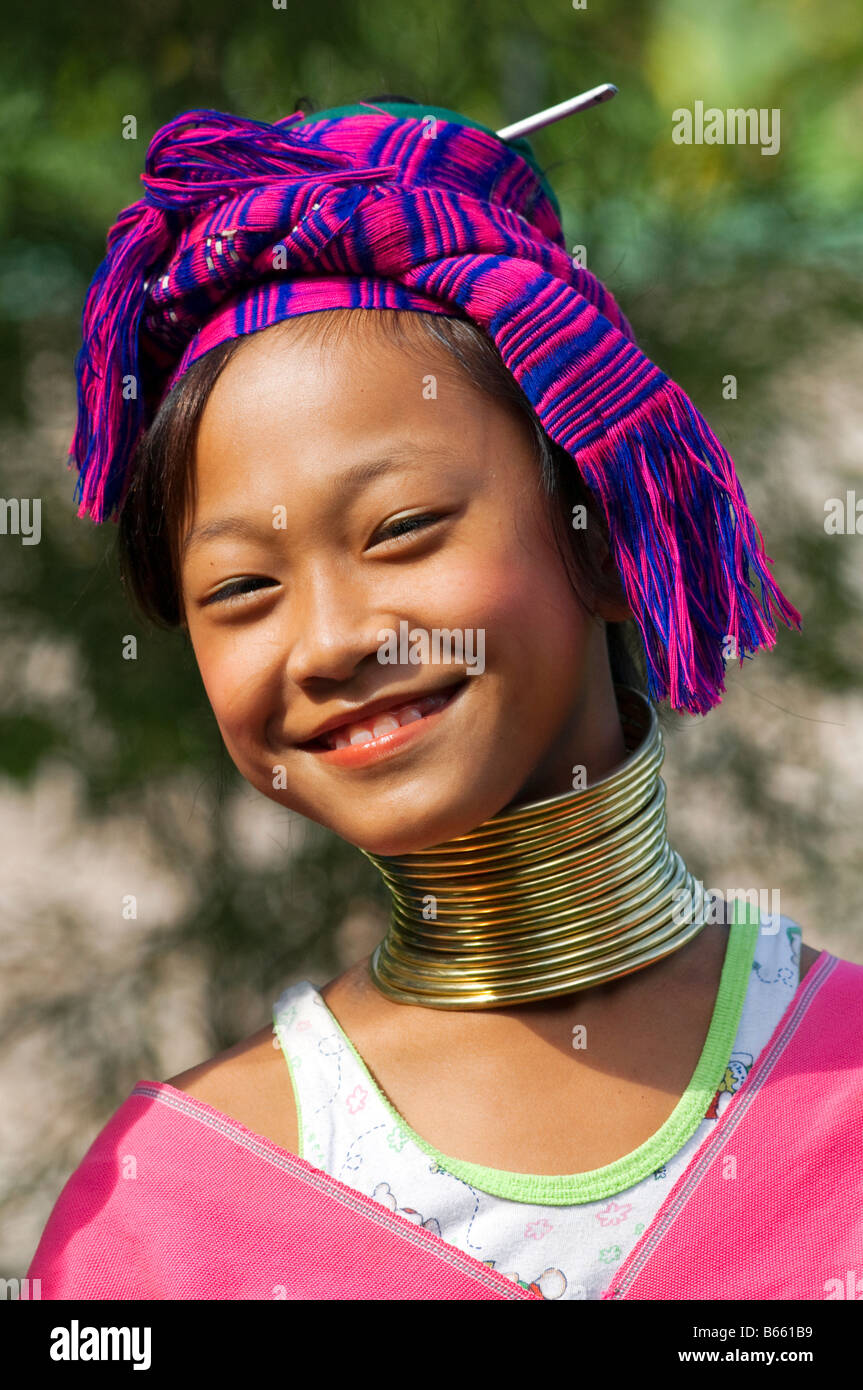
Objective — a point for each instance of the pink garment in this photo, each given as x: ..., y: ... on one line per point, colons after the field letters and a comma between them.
x: 772, y: 1204
x: 174, y: 1200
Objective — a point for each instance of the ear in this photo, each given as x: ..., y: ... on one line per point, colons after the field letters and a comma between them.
x: 610, y: 601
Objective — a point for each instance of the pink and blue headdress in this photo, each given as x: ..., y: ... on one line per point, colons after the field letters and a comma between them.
x: 243, y: 224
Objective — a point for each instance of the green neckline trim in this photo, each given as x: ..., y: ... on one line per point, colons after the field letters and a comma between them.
x: 566, y: 1189
x: 520, y: 144
x: 292, y: 1064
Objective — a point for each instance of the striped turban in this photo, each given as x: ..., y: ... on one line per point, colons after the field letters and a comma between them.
x: 243, y: 224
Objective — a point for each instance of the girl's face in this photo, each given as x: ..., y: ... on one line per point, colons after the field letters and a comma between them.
x: 353, y: 488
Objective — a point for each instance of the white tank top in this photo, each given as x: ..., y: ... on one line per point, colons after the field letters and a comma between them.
x: 562, y: 1236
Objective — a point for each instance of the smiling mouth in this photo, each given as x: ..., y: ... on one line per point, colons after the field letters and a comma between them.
x: 359, y: 731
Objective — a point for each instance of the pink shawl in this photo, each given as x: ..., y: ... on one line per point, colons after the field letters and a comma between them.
x: 174, y: 1200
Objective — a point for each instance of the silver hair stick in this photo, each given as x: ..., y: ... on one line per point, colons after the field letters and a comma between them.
x: 556, y: 113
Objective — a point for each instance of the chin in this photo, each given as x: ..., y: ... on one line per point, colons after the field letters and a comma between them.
x: 395, y: 849
x: 411, y: 835
x: 394, y: 841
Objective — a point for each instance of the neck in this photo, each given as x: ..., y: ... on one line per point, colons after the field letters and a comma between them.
x: 546, y: 898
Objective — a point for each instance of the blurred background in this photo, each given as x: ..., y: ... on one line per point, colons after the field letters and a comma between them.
x: 113, y: 779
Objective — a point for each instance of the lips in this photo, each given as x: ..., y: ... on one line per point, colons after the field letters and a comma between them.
x: 365, y: 729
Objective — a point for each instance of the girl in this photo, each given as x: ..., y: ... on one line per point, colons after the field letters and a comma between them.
x: 399, y: 470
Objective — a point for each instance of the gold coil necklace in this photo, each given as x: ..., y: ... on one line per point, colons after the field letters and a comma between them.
x: 547, y: 897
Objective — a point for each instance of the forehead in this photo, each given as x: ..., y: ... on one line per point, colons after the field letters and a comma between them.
x: 371, y: 346
x: 295, y: 397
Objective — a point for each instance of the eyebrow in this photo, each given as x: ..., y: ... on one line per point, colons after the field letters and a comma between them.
x: 351, y: 480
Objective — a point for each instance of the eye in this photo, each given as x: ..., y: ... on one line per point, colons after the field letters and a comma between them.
x: 407, y: 526
x: 236, y: 591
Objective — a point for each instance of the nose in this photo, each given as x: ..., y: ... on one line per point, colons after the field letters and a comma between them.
x: 334, y: 626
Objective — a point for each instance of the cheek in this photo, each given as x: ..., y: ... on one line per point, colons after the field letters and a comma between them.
x: 519, y: 593
x: 235, y: 675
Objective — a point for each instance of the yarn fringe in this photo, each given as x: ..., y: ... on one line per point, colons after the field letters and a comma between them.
x: 686, y: 545
x: 201, y: 156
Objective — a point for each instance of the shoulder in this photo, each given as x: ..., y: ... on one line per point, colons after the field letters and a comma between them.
x: 808, y: 957
x: 248, y: 1082
x: 790, y: 929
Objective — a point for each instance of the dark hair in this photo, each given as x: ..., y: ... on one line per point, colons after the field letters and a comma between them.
x: 162, y: 484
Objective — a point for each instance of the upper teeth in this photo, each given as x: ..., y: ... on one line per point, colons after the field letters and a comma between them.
x: 383, y: 723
